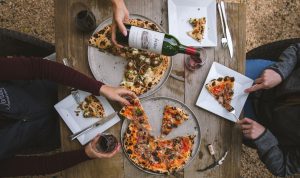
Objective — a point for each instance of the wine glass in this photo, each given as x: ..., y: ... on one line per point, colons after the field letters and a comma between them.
x: 85, y: 21
x: 195, y: 62
x: 106, y: 143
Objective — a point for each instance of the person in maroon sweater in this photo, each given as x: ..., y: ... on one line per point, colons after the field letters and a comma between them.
x: 27, y: 96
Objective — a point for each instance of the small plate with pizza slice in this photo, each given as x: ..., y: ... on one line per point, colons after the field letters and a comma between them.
x: 193, y: 22
x: 90, y: 110
x: 161, y: 135
x: 223, y: 91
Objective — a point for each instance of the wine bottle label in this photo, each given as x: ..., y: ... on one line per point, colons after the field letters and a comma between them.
x: 146, y: 39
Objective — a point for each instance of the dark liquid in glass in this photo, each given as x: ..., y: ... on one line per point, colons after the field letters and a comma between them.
x: 106, y: 143
x: 85, y: 21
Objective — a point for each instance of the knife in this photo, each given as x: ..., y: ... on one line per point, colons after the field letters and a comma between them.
x: 228, y: 35
x: 96, y: 124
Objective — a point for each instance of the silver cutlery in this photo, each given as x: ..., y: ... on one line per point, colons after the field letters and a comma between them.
x: 96, y: 124
x: 228, y: 35
x: 234, y: 114
x: 224, y: 39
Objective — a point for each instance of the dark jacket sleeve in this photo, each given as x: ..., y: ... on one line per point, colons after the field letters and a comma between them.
x: 41, y: 165
x: 287, y: 61
x: 22, y: 68
x: 280, y: 161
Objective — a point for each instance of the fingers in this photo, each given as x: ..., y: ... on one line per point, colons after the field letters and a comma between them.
x: 113, y: 35
x: 125, y: 92
x: 122, y: 100
x: 254, y: 88
x: 121, y: 26
x: 259, y: 80
x: 245, y: 121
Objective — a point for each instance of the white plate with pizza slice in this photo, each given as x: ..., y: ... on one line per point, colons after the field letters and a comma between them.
x: 179, y: 13
x: 73, y: 116
x: 209, y: 102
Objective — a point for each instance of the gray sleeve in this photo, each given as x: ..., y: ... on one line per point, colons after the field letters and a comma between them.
x: 287, y: 61
x: 279, y: 161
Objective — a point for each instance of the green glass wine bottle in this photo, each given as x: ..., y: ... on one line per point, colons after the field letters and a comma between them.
x: 153, y: 41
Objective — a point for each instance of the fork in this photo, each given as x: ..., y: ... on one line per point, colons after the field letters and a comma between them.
x: 224, y: 39
x: 232, y: 111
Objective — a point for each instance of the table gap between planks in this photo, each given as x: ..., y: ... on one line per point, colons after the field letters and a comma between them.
x: 223, y: 134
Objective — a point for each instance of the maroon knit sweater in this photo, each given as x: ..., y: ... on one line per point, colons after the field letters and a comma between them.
x: 35, y: 68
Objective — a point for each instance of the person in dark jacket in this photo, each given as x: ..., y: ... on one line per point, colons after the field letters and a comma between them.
x: 272, y: 122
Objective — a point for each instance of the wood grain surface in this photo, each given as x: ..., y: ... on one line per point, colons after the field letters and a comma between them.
x: 72, y: 44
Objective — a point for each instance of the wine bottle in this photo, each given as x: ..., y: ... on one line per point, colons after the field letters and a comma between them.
x: 153, y: 41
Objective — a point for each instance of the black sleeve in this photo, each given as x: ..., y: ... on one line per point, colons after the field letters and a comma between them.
x: 280, y: 161
x: 41, y: 165
x: 287, y: 61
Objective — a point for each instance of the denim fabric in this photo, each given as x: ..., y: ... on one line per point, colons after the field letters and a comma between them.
x: 254, y: 68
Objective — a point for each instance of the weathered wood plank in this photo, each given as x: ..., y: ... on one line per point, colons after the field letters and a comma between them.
x: 217, y: 131
x: 72, y: 44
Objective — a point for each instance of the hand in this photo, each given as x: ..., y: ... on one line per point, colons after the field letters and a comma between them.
x: 120, y: 15
x: 267, y: 80
x: 251, y: 129
x: 117, y: 94
x: 91, y: 153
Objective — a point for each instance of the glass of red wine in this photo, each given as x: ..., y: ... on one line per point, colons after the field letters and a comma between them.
x: 195, y: 62
x: 106, y: 143
x: 85, y: 21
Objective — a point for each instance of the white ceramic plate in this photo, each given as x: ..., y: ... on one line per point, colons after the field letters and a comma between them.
x: 208, y: 102
x: 179, y: 13
x: 66, y: 109
x: 154, y: 108
x: 109, y: 69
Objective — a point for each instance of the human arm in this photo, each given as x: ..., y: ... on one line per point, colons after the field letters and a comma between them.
x: 49, y: 164
x: 279, y: 71
x: 279, y: 161
x: 120, y: 14
x: 21, y: 68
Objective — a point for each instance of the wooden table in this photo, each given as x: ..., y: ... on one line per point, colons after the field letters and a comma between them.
x: 72, y: 44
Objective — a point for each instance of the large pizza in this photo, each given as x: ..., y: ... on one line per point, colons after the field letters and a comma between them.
x: 144, y: 69
x: 158, y: 155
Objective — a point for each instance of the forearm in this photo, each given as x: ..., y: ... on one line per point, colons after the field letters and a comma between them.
x: 278, y: 161
x: 117, y: 2
x: 39, y: 69
x: 287, y: 61
x: 41, y: 165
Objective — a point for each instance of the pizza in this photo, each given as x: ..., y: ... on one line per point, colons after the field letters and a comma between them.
x: 198, y: 28
x: 144, y: 69
x: 165, y: 156
x: 91, y: 107
x: 136, y: 113
x: 155, y: 155
x: 172, y: 118
x: 222, y: 90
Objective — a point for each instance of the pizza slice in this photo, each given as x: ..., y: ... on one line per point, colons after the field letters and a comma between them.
x: 222, y: 90
x: 135, y: 112
x: 182, y: 152
x: 198, y: 28
x: 172, y: 118
x: 101, y: 39
x: 92, y: 107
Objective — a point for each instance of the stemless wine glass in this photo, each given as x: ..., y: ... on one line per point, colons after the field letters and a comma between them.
x: 195, y: 62
x: 106, y: 143
x: 85, y: 21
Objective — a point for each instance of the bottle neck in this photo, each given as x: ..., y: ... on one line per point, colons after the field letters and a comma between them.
x: 189, y: 50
